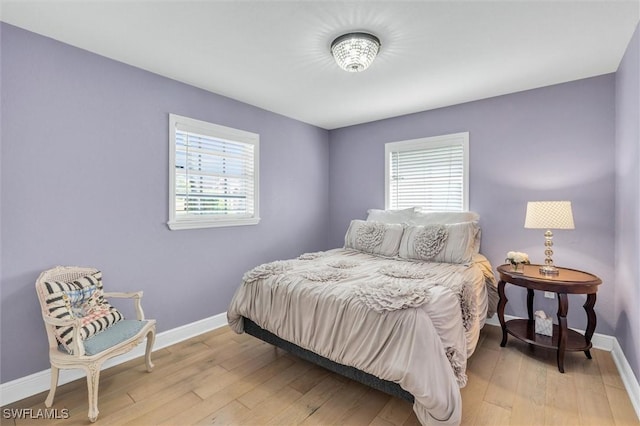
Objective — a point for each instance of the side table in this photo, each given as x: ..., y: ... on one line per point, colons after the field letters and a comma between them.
x: 568, y: 281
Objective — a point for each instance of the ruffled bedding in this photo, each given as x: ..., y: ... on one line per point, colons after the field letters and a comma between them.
x: 411, y: 322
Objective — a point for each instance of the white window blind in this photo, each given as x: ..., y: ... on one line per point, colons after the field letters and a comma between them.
x: 430, y: 173
x: 214, y: 175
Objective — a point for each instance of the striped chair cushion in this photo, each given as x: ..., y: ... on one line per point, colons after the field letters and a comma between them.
x: 83, y: 299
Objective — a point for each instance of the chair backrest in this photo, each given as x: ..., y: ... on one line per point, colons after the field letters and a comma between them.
x: 63, y: 274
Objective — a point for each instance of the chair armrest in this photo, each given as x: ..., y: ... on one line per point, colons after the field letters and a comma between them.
x: 122, y: 295
x: 76, y: 325
x: 73, y: 322
x: 136, y: 296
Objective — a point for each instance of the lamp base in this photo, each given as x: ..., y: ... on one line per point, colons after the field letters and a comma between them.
x: 549, y: 270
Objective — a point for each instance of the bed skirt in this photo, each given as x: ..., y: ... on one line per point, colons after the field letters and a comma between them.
x: 353, y: 373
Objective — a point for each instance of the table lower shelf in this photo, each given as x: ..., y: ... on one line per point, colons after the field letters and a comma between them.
x: 525, y: 330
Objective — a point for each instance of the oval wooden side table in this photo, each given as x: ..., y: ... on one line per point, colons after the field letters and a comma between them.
x: 567, y: 281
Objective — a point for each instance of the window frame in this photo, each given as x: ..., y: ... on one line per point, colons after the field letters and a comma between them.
x: 215, y: 131
x: 461, y: 138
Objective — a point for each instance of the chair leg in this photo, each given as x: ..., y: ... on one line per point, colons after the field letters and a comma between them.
x: 151, y: 337
x: 93, y: 379
x: 55, y: 373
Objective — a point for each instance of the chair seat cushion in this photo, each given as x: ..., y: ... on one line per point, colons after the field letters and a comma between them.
x: 114, y: 335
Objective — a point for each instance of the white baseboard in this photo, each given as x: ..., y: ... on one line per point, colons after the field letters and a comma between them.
x: 609, y: 344
x: 24, y: 387
x: 626, y: 374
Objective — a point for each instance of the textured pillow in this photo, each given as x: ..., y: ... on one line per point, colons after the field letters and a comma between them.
x: 437, y: 218
x: 82, y: 298
x: 390, y: 216
x: 378, y: 238
x: 444, y: 243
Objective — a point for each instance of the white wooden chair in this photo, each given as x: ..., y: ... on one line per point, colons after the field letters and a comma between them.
x: 87, y: 352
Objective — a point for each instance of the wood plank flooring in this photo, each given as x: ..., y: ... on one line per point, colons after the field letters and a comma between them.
x: 224, y: 378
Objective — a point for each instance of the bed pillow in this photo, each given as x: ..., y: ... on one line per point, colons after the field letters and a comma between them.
x: 436, y: 218
x: 382, y: 239
x: 82, y: 298
x: 390, y: 216
x: 441, y: 218
x: 443, y: 243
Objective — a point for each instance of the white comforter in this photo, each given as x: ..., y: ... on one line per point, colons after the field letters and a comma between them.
x: 413, y: 323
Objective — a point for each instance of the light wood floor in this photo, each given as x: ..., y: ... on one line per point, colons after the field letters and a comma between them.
x: 224, y: 378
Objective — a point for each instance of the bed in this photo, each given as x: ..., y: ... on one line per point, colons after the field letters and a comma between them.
x: 399, y: 307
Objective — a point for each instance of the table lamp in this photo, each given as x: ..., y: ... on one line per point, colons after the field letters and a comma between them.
x: 549, y: 215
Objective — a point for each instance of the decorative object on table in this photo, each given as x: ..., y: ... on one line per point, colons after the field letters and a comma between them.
x: 354, y: 52
x: 549, y: 215
x: 517, y: 260
x: 544, y: 324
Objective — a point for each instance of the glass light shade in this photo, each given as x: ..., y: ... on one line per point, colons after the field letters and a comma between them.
x: 354, y: 52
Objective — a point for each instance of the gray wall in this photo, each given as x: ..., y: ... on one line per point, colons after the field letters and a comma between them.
x: 553, y: 143
x: 627, y: 287
x: 85, y: 182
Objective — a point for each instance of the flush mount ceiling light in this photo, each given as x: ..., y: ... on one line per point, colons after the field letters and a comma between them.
x: 354, y: 52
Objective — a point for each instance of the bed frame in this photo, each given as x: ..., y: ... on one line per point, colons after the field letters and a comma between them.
x: 353, y: 373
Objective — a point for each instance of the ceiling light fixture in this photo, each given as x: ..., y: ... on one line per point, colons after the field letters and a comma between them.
x: 354, y: 52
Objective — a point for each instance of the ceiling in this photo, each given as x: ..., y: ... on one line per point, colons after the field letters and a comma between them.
x: 275, y: 54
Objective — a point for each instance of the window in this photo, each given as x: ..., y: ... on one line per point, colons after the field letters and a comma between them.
x: 431, y: 173
x: 213, y: 176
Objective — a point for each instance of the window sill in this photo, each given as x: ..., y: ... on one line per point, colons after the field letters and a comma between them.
x: 177, y: 225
